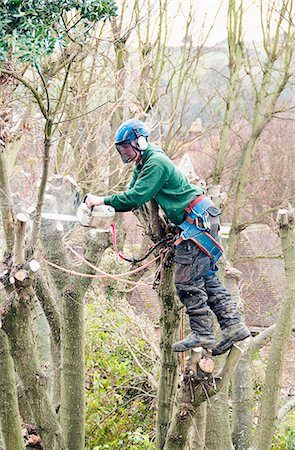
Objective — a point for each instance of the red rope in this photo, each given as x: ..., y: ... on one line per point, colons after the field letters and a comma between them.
x: 113, y: 231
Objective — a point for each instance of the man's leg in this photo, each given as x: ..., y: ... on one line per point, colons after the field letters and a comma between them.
x: 228, y: 316
x: 191, y: 266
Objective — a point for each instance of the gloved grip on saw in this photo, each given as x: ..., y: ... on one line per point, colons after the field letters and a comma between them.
x: 84, y: 201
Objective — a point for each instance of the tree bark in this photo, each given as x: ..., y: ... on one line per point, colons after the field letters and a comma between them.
x: 73, y: 377
x: 242, y: 399
x: 235, y: 45
x: 194, y: 392
x: 198, y: 429
x: 271, y: 389
x: 9, y: 413
x: 48, y: 132
x: 5, y: 202
x: 242, y: 393
x: 18, y: 326
x: 47, y: 296
x: 218, y: 433
x: 169, y: 322
x: 72, y: 413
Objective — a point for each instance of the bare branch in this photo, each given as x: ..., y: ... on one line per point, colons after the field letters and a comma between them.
x: 285, y: 409
x: 28, y: 86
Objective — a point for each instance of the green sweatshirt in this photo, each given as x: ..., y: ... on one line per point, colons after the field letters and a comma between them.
x: 157, y: 178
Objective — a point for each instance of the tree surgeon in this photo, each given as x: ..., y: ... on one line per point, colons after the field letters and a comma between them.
x: 197, y: 250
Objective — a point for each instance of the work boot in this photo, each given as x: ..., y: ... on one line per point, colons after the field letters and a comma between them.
x: 230, y: 335
x: 191, y: 341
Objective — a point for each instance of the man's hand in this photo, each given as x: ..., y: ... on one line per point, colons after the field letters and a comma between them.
x: 94, y: 200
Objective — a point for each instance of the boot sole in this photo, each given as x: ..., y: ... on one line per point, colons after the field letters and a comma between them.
x: 192, y: 347
x: 239, y: 337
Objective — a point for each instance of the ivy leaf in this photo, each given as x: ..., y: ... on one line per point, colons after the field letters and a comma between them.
x: 30, y: 30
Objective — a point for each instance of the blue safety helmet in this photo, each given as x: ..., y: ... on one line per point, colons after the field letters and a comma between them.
x: 130, y: 130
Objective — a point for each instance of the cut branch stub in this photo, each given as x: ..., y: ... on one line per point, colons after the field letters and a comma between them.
x: 199, y: 368
x: 20, y: 275
x: 21, y: 217
x: 34, y: 265
x: 21, y: 221
x: 232, y: 272
x: 22, y: 278
x: 285, y: 216
x: 195, y: 391
x: 206, y: 364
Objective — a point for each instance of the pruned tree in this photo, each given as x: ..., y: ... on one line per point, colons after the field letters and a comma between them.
x: 271, y: 390
x: 19, y: 267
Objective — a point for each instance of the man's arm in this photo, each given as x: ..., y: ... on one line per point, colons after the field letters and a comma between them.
x: 95, y: 200
x: 151, y: 179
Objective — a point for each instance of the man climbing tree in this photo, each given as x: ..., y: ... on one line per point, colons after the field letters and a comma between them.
x: 197, y: 249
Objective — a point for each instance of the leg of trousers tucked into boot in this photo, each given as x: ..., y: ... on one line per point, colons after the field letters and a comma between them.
x: 191, y: 267
x: 226, y: 311
x: 221, y: 302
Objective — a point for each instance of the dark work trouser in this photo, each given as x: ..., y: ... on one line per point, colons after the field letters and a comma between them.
x: 201, y: 293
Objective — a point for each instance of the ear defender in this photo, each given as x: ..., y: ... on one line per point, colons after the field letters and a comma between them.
x: 142, y: 143
x: 141, y: 140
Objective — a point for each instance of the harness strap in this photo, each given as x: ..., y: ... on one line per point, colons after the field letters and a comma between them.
x: 189, y: 229
x: 215, y: 242
x: 178, y: 241
x: 190, y: 220
x: 194, y: 203
x: 201, y: 247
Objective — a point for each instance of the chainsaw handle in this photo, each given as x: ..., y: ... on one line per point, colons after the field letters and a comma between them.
x: 84, y: 201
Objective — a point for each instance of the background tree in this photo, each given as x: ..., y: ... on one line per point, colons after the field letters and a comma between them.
x: 86, y: 76
x: 32, y: 31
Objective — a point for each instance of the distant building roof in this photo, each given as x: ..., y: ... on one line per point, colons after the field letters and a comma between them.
x: 263, y: 282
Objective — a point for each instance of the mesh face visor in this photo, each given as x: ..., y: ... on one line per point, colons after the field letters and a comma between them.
x: 126, y: 151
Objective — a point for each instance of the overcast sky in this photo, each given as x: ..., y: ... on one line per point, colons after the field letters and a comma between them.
x: 208, y: 9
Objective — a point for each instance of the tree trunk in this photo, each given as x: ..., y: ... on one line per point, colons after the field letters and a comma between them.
x: 235, y: 44
x: 18, y: 326
x: 242, y: 399
x: 218, y: 434
x: 72, y: 345
x: 48, y: 132
x: 45, y: 292
x: 73, y: 379
x: 194, y: 392
x: 169, y: 361
x: 198, y: 429
x: 9, y: 413
x: 5, y: 202
x: 278, y: 347
x: 242, y: 385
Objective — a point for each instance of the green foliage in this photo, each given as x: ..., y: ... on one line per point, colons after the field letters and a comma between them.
x: 30, y: 29
x: 284, y: 438
x: 120, y: 399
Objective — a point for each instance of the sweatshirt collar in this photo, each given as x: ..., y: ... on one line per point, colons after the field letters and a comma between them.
x: 147, y: 153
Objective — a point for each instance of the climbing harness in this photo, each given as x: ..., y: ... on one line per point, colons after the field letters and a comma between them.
x: 133, y: 260
x: 196, y: 227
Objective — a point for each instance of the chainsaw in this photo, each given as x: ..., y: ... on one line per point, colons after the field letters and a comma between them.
x: 100, y: 217
x: 95, y: 217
